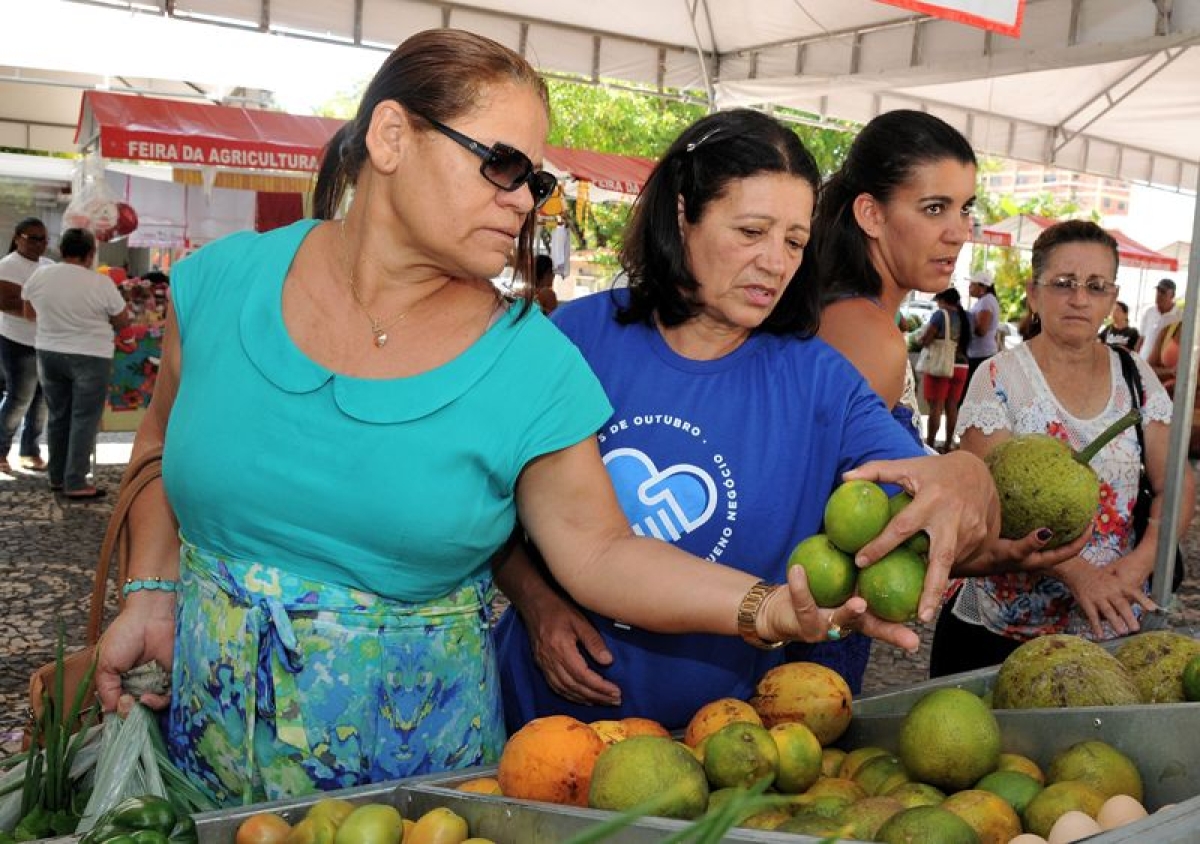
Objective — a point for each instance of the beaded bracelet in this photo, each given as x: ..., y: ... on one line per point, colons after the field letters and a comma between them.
x: 154, y: 584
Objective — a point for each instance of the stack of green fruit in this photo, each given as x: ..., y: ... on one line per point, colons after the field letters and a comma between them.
x: 856, y: 513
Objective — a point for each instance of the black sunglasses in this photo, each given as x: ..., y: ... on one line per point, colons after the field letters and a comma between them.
x: 505, y: 167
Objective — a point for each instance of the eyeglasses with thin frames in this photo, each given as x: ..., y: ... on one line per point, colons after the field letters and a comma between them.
x: 1065, y: 285
x: 503, y: 166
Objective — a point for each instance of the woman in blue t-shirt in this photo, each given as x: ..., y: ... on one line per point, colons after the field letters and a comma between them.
x: 731, y: 426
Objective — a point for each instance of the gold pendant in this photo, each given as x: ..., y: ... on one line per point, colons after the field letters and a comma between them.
x: 381, y: 339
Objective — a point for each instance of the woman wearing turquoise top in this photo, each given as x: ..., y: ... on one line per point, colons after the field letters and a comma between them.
x: 351, y: 424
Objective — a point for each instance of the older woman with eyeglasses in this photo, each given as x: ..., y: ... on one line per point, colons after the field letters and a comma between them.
x: 352, y: 419
x: 1065, y: 384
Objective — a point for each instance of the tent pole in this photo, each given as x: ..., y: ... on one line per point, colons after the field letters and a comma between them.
x: 1180, y: 432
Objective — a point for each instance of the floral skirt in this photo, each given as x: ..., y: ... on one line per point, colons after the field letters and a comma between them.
x: 284, y: 686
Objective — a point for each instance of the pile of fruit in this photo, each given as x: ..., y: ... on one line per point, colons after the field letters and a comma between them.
x: 336, y: 821
x: 856, y: 513
x: 949, y: 779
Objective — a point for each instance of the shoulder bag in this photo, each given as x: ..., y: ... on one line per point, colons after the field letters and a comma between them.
x: 937, y: 359
x: 78, y: 666
x: 1145, y: 494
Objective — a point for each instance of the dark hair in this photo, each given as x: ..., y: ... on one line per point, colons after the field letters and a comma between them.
x: 697, y: 168
x: 881, y: 160
x: 77, y: 243
x: 1070, y: 231
x: 950, y: 295
x: 438, y: 74
x: 22, y: 227
x: 1123, y: 307
x: 541, y: 266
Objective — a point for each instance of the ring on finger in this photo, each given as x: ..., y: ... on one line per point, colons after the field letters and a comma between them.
x: 835, y: 631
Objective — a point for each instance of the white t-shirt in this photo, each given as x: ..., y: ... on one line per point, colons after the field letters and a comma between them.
x: 987, y: 345
x: 1152, y: 322
x: 73, y: 307
x: 16, y: 268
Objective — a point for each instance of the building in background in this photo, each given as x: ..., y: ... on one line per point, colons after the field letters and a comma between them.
x: 1106, y: 197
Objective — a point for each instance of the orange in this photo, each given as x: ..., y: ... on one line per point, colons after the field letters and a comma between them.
x: 992, y: 818
x: 716, y: 714
x: 880, y: 774
x: 892, y: 585
x: 1016, y: 788
x: 800, y: 757
x: 550, y: 759
x: 913, y: 794
x: 438, y: 826
x: 1023, y: 764
x: 1100, y: 765
x: 839, y: 787
x: 830, y: 571
x: 263, y: 828
x: 832, y: 759
x: 812, y: 694
x: 644, y: 768
x: 856, y: 513
x: 1055, y: 800
x: 634, y: 726
x: 480, y: 785
x: 740, y: 754
x: 949, y: 739
x: 926, y: 825
x: 919, y: 541
x: 856, y: 758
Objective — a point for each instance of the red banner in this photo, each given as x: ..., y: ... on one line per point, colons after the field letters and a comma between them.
x: 1003, y: 16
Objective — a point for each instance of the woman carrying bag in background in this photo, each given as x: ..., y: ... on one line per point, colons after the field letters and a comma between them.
x: 943, y: 363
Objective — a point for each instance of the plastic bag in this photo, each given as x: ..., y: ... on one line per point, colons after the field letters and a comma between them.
x: 95, y: 207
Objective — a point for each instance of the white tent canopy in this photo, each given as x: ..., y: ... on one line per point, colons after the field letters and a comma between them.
x: 1099, y: 86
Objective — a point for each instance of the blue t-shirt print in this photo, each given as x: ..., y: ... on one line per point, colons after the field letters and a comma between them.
x: 666, y: 503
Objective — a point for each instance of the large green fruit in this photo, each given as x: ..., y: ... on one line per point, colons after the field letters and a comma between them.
x: 1060, y: 671
x: 1156, y: 661
x: 1041, y: 482
x: 949, y: 739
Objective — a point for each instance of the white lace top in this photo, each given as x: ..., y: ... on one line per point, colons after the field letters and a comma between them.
x: 1009, y: 392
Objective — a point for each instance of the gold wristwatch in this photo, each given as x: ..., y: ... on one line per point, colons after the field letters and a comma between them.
x: 747, y: 615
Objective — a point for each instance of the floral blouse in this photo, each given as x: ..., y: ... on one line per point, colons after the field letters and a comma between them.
x: 1009, y: 392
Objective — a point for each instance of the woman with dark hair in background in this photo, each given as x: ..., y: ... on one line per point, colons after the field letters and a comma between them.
x: 18, y: 355
x: 891, y: 221
x: 1065, y: 384
x: 323, y: 589
x: 944, y: 394
x: 1119, y: 332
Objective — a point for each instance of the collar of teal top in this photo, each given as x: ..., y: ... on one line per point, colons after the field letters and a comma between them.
x: 266, y: 341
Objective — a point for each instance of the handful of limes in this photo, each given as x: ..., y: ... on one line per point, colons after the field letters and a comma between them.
x: 856, y: 513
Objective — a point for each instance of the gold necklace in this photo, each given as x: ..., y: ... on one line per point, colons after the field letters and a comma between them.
x: 379, y: 326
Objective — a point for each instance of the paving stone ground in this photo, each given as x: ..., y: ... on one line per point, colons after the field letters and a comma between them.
x: 48, y: 548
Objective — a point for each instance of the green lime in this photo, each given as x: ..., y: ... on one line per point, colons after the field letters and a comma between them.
x: 892, y: 585
x: 919, y: 541
x: 831, y: 573
x: 1191, y: 679
x: 1016, y: 788
x: 856, y: 513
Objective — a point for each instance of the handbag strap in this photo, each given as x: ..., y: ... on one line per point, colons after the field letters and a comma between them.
x: 138, y: 475
x: 1133, y: 380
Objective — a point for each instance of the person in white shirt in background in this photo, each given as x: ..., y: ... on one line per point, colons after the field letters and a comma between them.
x: 985, y: 321
x: 76, y: 311
x: 22, y: 394
x: 1162, y: 313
